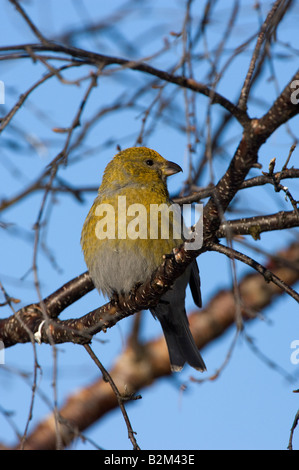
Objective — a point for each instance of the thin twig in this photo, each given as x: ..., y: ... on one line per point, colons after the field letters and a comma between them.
x: 6, y: 119
x: 31, y: 25
x: 92, y: 58
x: 265, y: 29
x: 120, y: 398
x: 268, y: 275
x: 294, y: 425
x: 36, y: 367
x: 285, y: 166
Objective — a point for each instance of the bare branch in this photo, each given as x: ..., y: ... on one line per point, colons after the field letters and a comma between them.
x: 267, y: 30
x: 268, y: 275
x: 120, y: 398
x: 100, y: 60
x: 31, y: 25
x: 88, y: 405
x: 255, y: 226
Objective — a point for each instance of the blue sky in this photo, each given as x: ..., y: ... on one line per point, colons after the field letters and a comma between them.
x: 250, y: 406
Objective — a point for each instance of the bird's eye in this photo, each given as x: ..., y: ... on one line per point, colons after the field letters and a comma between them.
x: 149, y: 162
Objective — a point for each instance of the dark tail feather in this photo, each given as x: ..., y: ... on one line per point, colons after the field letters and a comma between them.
x: 180, y: 342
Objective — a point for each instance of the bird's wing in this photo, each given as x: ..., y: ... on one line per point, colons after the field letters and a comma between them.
x: 195, y: 284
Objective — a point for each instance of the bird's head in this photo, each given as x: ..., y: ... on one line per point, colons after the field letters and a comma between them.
x: 138, y: 165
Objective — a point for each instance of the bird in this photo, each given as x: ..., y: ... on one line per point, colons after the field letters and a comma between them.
x: 122, y: 249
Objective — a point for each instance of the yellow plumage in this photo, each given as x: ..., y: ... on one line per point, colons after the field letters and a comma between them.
x: 126, y: 233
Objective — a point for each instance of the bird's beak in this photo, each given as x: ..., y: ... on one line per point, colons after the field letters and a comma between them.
x: 171, y: 168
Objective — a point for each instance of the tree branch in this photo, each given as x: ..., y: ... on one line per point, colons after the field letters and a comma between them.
x: 254, y: 226
x: 254, y: 136
x: 261, y: 180
x: 100, y: 60
x: 133, y: 371
x: 268, y: 28
x: 266, y: 273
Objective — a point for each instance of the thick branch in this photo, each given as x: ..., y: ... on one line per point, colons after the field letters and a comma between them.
x: 14, y: 329
x: 134, y: 371
x: 254, y: 136
x: 254, y: 226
